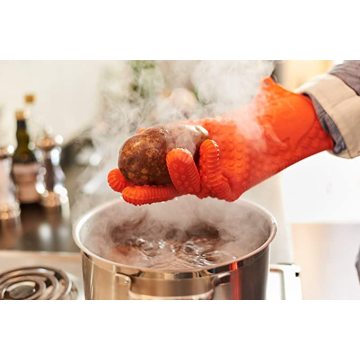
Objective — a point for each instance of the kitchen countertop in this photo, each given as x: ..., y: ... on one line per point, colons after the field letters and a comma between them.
x: 39, y: 229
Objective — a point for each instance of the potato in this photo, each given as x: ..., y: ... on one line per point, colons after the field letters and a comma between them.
x: 142, y: 158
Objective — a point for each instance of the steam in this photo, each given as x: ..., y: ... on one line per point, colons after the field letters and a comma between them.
x: 142, y: 94
x: 227, y: 85
x: 182, y: 234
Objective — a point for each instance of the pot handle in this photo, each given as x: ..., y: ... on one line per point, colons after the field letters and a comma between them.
x: 124, y: 279
x: 220, y: 279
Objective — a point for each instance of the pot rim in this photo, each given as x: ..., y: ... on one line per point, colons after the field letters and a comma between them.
x: 103, y: 261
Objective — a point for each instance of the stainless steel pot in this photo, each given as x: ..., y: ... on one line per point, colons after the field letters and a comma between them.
x: 243, y: 278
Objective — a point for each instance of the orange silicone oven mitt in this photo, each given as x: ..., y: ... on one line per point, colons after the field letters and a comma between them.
x: 275, y: 130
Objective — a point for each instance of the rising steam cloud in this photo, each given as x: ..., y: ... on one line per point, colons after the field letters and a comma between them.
x: 142, y: 94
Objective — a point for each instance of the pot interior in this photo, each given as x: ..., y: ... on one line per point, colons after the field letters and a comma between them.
x: 185, y: 234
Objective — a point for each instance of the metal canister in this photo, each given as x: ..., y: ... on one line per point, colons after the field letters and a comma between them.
x: 9, y: 206
x: 51, y: 177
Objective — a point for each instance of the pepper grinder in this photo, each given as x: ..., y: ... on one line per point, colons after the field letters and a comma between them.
x: 51, y: 177
x: 9, y: 206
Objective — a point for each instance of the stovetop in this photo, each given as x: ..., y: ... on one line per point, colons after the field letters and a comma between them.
x: 54, y: 275
x: 40, y: 275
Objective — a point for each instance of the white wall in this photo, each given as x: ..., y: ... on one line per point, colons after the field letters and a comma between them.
x: 66, y: 93
x: 322, y: 188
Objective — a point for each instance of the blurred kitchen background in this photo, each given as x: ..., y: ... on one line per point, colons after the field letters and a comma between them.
x: 316, y: 201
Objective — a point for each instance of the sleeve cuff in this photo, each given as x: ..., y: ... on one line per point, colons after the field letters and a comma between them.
x: 342, y: 104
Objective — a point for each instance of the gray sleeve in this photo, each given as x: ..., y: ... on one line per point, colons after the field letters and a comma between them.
x: 329, y: 126
x: 349, y: 73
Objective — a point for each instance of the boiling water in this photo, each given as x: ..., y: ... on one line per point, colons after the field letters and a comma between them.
x: 173, y: 249
x: 188, y: 239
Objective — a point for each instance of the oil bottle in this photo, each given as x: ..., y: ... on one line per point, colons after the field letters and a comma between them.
x: 25, y: 167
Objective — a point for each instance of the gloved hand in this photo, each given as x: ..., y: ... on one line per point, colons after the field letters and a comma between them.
x: 277, y: 129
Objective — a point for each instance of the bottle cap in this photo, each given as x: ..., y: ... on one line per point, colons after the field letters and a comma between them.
x: 19, y: 114
x: 29, y: 98
x: 48, y: 141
